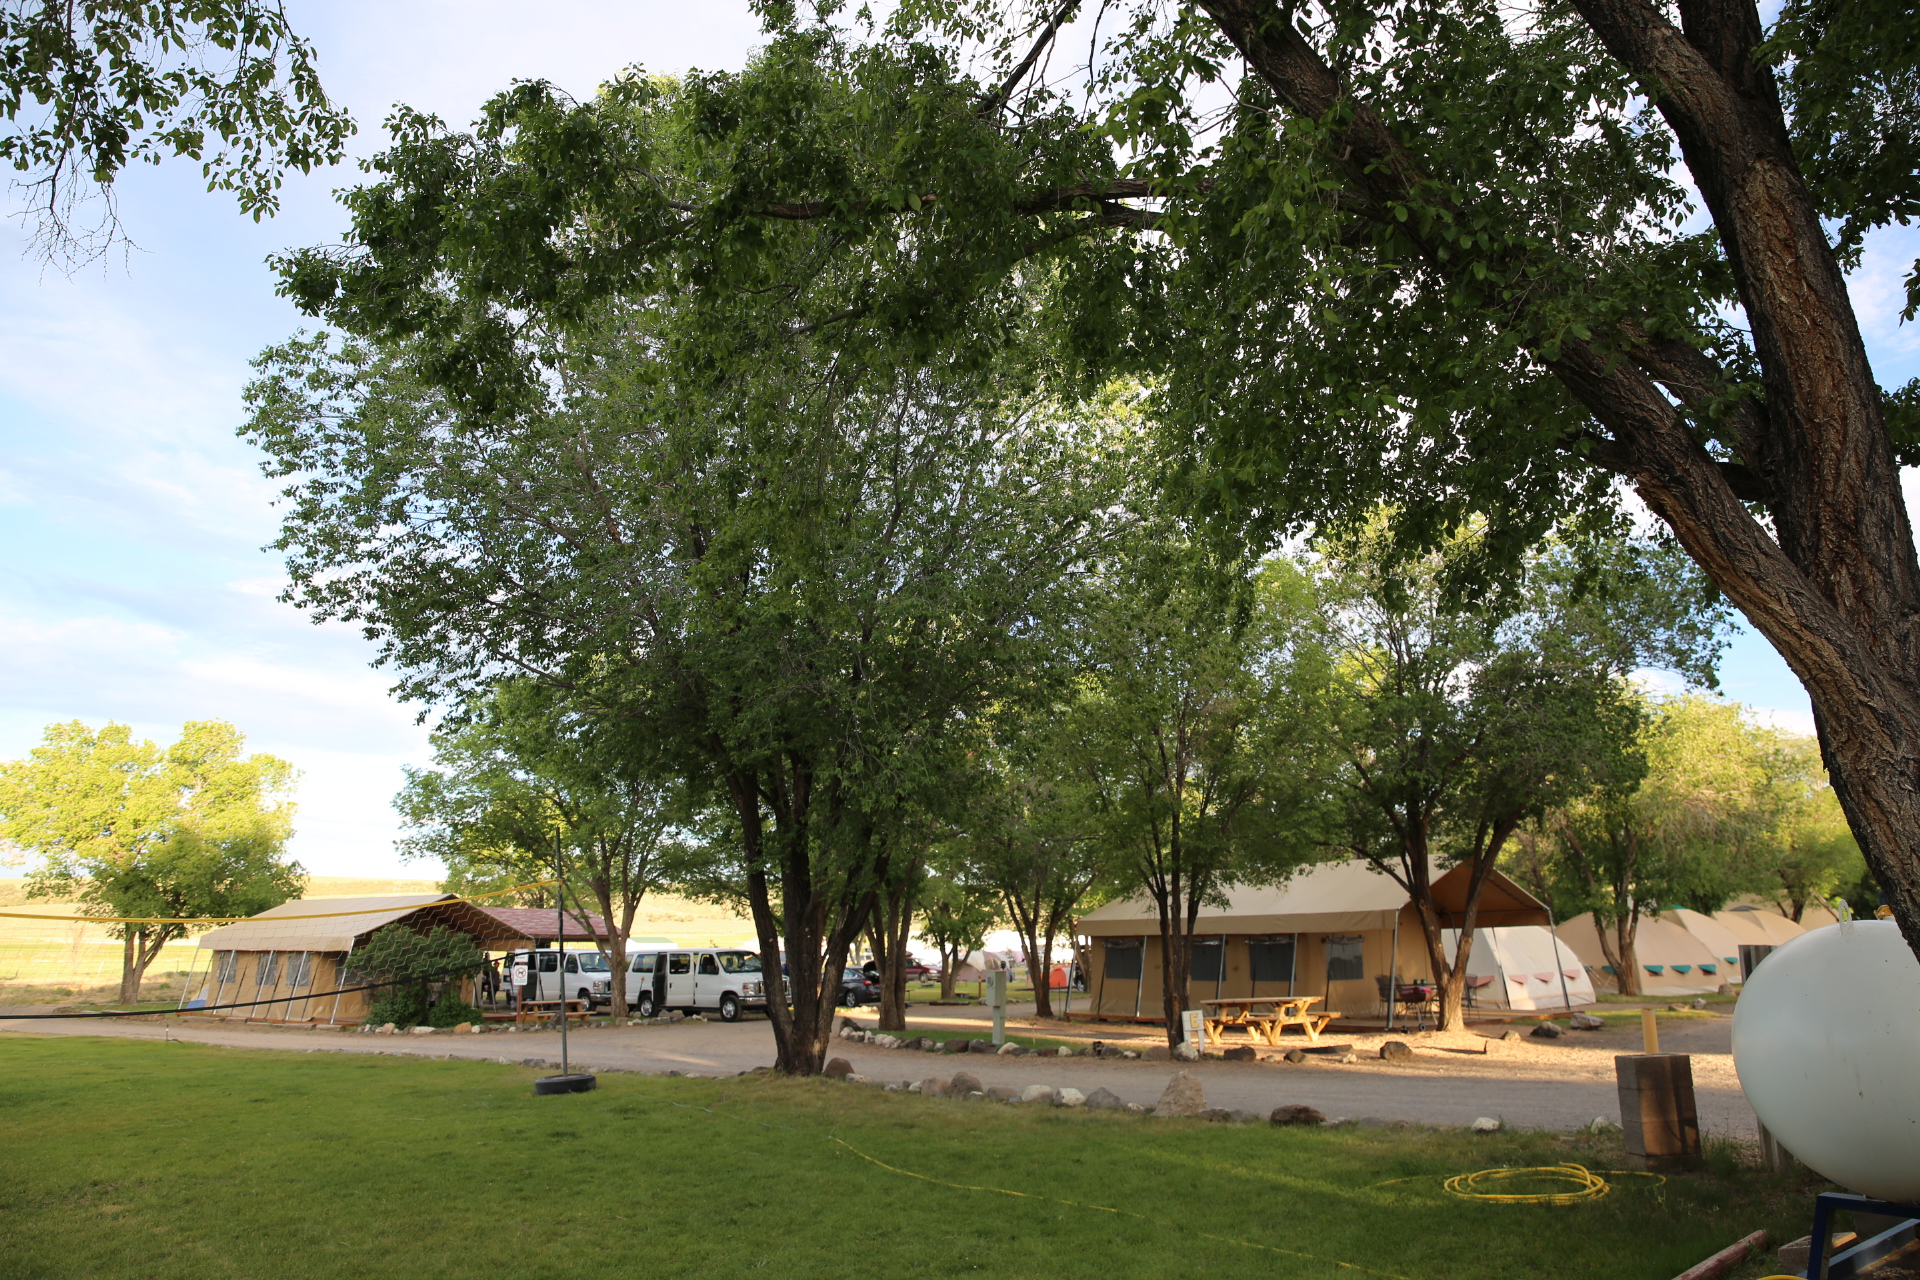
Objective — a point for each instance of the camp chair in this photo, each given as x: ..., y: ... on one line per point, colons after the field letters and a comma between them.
x: 1418, y: 997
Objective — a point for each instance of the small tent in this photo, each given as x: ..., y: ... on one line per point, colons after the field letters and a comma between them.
x: 1524, y: 967
x: 1758, y: 930
x: 1714, y: 934
x: 1672, y: 961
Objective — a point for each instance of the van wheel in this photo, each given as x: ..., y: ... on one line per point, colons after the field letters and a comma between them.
x: 644, y: 1005
x: 729, y: 1008
x: 585, y: 997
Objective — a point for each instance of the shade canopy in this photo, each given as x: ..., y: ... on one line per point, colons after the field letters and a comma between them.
x: 1333, y: 897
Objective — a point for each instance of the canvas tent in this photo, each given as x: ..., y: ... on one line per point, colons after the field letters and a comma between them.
x: 1331, y: 930
x: 1524, y: 967
x: 285, y: 962
x: 1672, y: 960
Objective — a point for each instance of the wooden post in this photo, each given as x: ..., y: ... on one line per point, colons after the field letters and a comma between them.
x: 1657, y: 1114
x: 1649, y: 1032
x: 1776, y: 1157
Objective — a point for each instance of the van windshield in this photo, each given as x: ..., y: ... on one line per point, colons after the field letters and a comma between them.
x: 740, y: 961
x: 592, y: 962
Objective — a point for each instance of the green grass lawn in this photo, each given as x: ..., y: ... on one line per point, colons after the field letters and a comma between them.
x: 139, y: 1159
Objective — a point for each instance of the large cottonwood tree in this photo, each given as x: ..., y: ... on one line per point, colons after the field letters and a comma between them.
x: 1423, y: 251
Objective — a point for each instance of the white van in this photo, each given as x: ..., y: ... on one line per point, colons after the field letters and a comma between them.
x: 580, y: 975
x: 695, y: 978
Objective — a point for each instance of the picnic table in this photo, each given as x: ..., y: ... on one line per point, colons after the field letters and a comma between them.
x: 1265, y: 1016
x: 540, y: 1010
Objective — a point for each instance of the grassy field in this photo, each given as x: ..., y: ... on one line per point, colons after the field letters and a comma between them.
x: 155, y: 1160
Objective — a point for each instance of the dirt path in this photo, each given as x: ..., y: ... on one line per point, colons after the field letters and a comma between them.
x: 1536, y: 1084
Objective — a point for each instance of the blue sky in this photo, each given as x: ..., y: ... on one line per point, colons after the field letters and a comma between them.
x: 134, y: 587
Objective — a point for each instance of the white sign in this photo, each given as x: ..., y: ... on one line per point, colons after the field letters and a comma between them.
x: 520, y: 975
x: 1193, y: 1023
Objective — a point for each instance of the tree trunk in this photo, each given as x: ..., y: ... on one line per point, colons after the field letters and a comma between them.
x: 129, y: 966
x: 891, y: 927
x: 1838, y: 593
x: 949, y: 967
x: 1626, y: 928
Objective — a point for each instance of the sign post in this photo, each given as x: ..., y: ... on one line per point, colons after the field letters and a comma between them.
x: 1193, y: 1028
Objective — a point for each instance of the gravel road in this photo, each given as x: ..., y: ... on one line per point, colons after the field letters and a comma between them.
x: 1438, y: 1088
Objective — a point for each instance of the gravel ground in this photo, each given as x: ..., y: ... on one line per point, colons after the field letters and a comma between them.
x: 1535, y: 1084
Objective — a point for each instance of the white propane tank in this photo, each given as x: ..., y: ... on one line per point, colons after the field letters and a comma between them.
x: 1826, y: 1039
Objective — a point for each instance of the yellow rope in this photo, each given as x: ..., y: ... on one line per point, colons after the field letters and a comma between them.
x: 1123, y: 1213
x: 324, y: 915
x: 1587, y: 1185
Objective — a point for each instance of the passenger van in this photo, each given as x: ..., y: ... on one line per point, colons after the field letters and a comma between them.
x: 695, y: 979
x: 581, y: 975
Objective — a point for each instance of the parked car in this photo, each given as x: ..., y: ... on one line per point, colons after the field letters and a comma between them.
x: 856, y: 989
x: 697, y: 979
x: 572, y: 975
x: 918, y: 970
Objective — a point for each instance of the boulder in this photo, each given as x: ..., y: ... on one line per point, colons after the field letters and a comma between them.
x: 838, y: 1069
x: 857, y: 1078
x: 981, y: 1046
x: 1128, y: 1053
x: 848, y: 1024
x: 1103, y: 1100
x: 1485, y: 1124
x: 1241, y: 1053
x: 892, y: 1088
x: 1296, y: 1113
x: 978, y: 1095
x: 1184, y: 1052
x: 1600, y: 1126
x: 955, y: 1046
x: 964, y: 1083
x: 1699, y: 1002
x: 1726, y: 989
x: 1037, y: 1093
x: 1069, y: 1098
x: 463, y: 1028
x: 1296, y: 1056
x: 1216, y: 1115
x: 1012, y: 1050
x: 423, y: 1031
x: 1396, y: 1051
x: 1547, y: 1031
x: 1063, y: 1052
x: 1587, y: 1022
x: 1157, y: 1053
x: 1137, y: 1109
x: 933, y: 1087
x: 1183, y: 1096
x: 886, y: 1042
x: 1004, y: 1093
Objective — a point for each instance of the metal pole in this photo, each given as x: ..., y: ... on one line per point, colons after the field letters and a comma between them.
x: 1393, y: 970
x: 1220, y: 974
x: 1140, y: 987
x: 339, y: 981
x: 560, y: 946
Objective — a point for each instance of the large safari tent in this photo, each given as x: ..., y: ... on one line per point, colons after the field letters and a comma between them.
x: 1333, y: 931
x: 1685, y: 952
x: 287, y: 963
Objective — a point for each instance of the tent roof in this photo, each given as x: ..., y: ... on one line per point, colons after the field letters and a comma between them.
x: 1331, y: 897
x: 1760, y: 926
x: 271, y: 930
x: 1713, y: 933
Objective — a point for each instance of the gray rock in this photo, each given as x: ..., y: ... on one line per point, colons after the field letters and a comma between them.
x: 981, y: 1046
x: 1037, y: 1093
x: 1216, y: 1115
x: 1587, y: 1022
x: 1513, y: 1034
x: 1063, y: 1051
x: 1012, y: 1050
x: 963, y: 1083
x: 1396, y: 1051
x: 932, y: 1087
x: 892, y: 1088
x: 1005, y: 1093
x: 1183, y: 1096
x: 1241, y: 1053
x: 1069, y: 1098
x: 857, y: 1078
x: 1136, y: 1109
x: 1485, y: 1124
x: 1699, y: 1002
x: 1726, y: 989
x: 1296, y: 1056
x: 1547, y: 1031
x: 1105, y: 1100
x: 955, y: 1046
x: 838, y: 1069
x: 1296, y: 1113
x: 1184, y: 1052
x: 1128, y: 1053
x: 533, y: 1062
x: 886, y: 1042
x: 1158, y: 1053
x: 978, y: 1095
x: 848, y: 1024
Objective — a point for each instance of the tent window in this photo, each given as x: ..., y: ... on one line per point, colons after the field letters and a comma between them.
x: 1272, y: 961
x: 229, y: 965
x: 269, y: 970
x: 1123, y: 962
x: 300, y: 972
x: 1208, y: 959
x: 1344, y: 961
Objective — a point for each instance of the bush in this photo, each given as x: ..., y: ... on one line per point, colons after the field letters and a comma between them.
x: 451, y: 1011
x: 402, y: 1006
